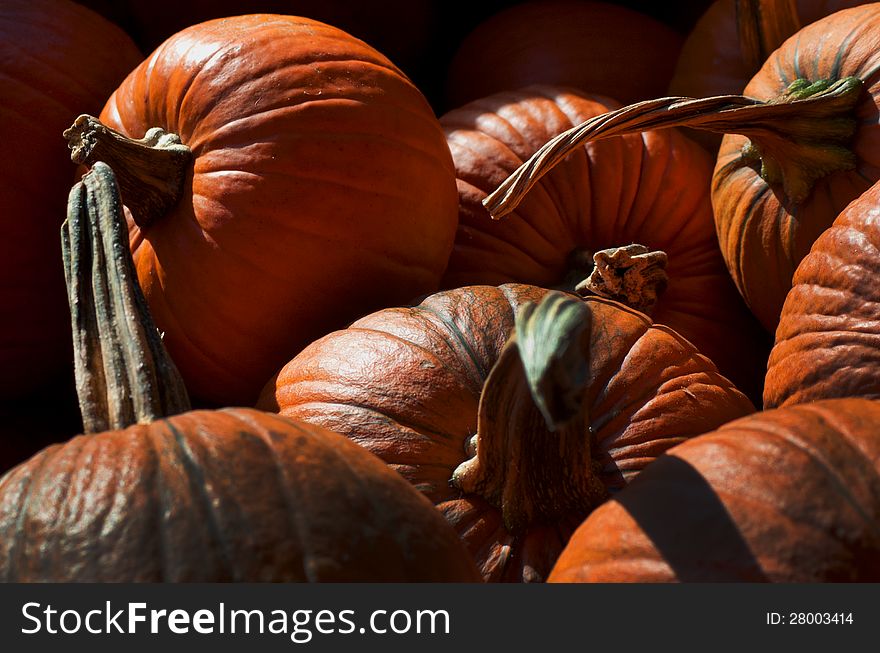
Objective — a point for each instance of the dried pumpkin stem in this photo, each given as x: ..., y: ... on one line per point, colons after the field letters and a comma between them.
x: 796, y: 139
x: 151, y: 171
x: 762, y: 26
x: 632, y: 274
x: 124, y: 375
x: 533, y: 444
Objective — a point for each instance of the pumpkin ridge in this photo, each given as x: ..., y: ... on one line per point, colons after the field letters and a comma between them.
x: 199, y: 487
x: 163, y: 557
x: 434, y: 356
x: 22, y: 54
x: 384, y: 412
x: 460, y: 339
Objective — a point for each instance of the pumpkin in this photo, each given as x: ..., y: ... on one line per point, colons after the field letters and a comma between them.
x: 650, y: 189
x: 515, y: 409
x: 284, y: 164
x: 763, y: 231
x: 57, y: 59
x: 827, y: 340
x: 168, y: 494
x: 788, y: 495
x: 586, y: 45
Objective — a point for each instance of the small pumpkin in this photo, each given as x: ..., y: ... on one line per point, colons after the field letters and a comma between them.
x: 828, y: 337
x: 789, y: 495
x: 515, y: 409
x: 650, y: 189
x: 585, y: 45
x: 57, y: 59
x: 283, y: 165
x: 168, y: 494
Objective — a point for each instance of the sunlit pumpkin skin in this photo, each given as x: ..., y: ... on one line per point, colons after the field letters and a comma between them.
x: 828, y: 338
x: 651, y: 189
x: 586, y: 45
x: 790, y: 495
x: 57, y: 59
x: 405, y: 383
x: 213, y: 496
x: 762, y: 236
x: 711, y: 61
x: 322, y: 188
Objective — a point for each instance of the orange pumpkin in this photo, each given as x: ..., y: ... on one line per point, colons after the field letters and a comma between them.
x: 319, y: 188
x: 515, y: 438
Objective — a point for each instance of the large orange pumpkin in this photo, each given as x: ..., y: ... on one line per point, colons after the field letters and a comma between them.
x: 320, y: 188
x: 57, y: 59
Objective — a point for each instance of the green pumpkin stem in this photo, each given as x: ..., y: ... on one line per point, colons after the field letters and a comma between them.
x: 762, y: 26
x: 124, y: 376
x: 533, y: 445
x: 151, y: 171
x: 633, y: 275
x: 796, y: 139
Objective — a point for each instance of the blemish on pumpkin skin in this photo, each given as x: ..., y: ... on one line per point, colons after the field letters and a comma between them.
x: 428, y: 365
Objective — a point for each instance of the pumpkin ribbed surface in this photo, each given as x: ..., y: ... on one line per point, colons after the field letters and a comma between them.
x: 231, y: 495
x: 828, y: 337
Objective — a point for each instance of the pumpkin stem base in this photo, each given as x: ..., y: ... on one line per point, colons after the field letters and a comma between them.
x: 633, y: 275
x: 151, y: 171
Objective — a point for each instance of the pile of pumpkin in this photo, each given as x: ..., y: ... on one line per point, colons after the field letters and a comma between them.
x: 523, y: 342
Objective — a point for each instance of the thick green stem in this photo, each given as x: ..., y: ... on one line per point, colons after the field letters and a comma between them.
x: 798, y: 138
x: 123, y: 373
x: 151, y: 172
x: 533, y: 445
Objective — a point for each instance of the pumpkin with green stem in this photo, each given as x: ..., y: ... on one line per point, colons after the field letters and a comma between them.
x: 515, y: 409
x: 156, y: 492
